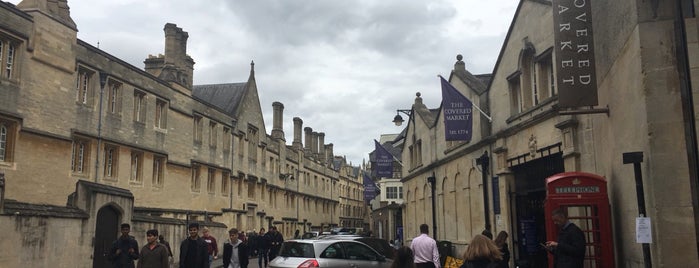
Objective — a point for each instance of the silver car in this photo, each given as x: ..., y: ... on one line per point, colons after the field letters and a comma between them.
x: 339, y: 253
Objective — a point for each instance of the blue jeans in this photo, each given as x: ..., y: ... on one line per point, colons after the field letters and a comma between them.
x: 211, y: 259
x: 262, y: 254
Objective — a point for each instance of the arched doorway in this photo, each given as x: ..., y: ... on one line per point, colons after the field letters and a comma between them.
x: 106, y: 231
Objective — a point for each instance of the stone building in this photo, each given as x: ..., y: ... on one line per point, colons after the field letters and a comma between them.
x: 88, y: 141
x: 646, y: 59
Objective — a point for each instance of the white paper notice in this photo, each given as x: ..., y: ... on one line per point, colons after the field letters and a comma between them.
x: 643, y: 230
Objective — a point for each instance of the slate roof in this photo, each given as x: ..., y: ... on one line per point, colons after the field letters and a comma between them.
x: 224, y: 96
x: 41, y: 210
x: 472, y: 81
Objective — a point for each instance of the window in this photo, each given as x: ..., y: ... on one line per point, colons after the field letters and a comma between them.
x: 240, y: 185
x: 197, y: 128
x: 80, y: 156
x: 8, y: 54
x: 253, y: 141
x: 400, y: 192
x: 212, y: 134
x: 415, y: 154
x: 225, y: 178
x: 83, y: 86
x: 158, y: 167
x: 196, y: 181
x: 226, y: 139
x: 111, y: 157
x: 114, y: 95
x: 545, y: 76
x: 251, y: 189
x: 7, y: 130
x: 139, y: 106
x: 161, y: 114
x: 391, y: 192
x: 516, y: 104
x: 136, y: 167
x: 211, y: 181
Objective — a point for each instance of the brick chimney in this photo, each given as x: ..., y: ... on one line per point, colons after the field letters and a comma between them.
x: 277, y: 115
x: 298, y: 124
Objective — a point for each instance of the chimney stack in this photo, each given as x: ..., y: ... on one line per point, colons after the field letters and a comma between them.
x: 321, y: 147
x: 298, y: 124
x: 175, y: 66
x: 308, y: 131
x: 314, y: 144
x: 277, y: 115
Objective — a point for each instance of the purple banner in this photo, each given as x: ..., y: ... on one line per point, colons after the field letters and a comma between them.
x: 384, y: 161
x: 458, y: 113
x: 369, y: 188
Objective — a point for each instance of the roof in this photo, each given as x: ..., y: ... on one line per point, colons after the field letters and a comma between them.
x: 42, y: 210
x: 224, y: 96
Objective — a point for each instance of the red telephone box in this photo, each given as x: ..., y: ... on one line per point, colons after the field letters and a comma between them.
x: 584, y: 197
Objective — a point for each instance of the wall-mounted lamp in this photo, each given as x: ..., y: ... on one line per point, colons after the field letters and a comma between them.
x: 398, y: 120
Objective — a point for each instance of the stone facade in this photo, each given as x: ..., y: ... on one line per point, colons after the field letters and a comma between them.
x: 531, y: 137
x: 90, y: 141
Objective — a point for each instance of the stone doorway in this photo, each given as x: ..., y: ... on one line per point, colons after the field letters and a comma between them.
x: 106, y: 231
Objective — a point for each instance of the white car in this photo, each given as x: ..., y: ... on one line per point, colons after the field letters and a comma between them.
x: 331, y: 253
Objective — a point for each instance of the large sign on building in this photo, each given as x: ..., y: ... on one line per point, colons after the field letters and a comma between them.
x: 575, y: 54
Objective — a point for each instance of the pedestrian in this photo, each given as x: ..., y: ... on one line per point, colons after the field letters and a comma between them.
x: 501, y: 243
x: 425, y: 249
x: 487, y: 233
x: 296, y: 234
x: 481, y: 253
x: 193, y: 251
x: 161, y: 240
x: 263, y: 240
x: 211, y: 245
x: 153, y: 254
x: 235, y: 251
x: 125, y: 249
x: 404, y: 258
x: 275, y: 242
x: 569, y: 250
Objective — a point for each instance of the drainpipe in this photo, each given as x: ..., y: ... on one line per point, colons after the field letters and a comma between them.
x: 690, y: 133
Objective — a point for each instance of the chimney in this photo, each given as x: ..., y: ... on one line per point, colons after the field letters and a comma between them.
x: 314, y: 144
x: 298, y: 123
x: 329, y: 152
x: 321, y: 146
x: 175, y: 66
x: 308, y: 132
x: 277, y: 114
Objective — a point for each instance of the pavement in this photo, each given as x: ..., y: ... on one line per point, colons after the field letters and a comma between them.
x: 219, y: 263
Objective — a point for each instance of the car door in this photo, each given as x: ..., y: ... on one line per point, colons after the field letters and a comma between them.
x: 360, y: 255
x: 333, y: 256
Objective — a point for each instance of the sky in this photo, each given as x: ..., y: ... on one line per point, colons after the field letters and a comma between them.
x: 343, y: 67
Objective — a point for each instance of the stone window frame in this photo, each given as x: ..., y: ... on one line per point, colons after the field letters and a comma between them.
x: 161, y: 107
x: 136, y: 168
x: 85, y: 84
x: 10, y: 49
x: 197, y: 128
x: 8, y: 139
x: 80, y: 156
x: 114, y: 97
x: 225, y: 182
x: 211, y: 180
x: 139, y: 106
x: 159, y: 162
x: 111, y: 162
x: 195, y: 183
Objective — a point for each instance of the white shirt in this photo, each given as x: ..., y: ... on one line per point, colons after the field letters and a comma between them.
x: 425, y: 250
x: 235, y: 260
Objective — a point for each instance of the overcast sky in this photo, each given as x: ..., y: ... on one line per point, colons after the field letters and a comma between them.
x: 343, y: 67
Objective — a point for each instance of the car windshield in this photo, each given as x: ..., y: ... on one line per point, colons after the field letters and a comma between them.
x: 297, y: 250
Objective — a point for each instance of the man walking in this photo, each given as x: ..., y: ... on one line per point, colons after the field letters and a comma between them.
x: 262, y: 248
x: 276, y: 240
x: 425, y: 249
x: 235, y: 252
x: 125, y: 249
x: 569, y: 250
x: 211, y: 245
x: 153, y: 254
x: 193, y: 252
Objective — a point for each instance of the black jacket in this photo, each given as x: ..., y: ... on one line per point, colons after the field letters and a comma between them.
x: 243, y: 258
x: 570, y: 252
x: 202, y: 254
x: 124, y: 259
x: 479, y: 263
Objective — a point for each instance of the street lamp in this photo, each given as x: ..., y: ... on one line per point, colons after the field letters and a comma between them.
x: 484, y: 162
x: 432, y: 180
x: 398, y: 120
